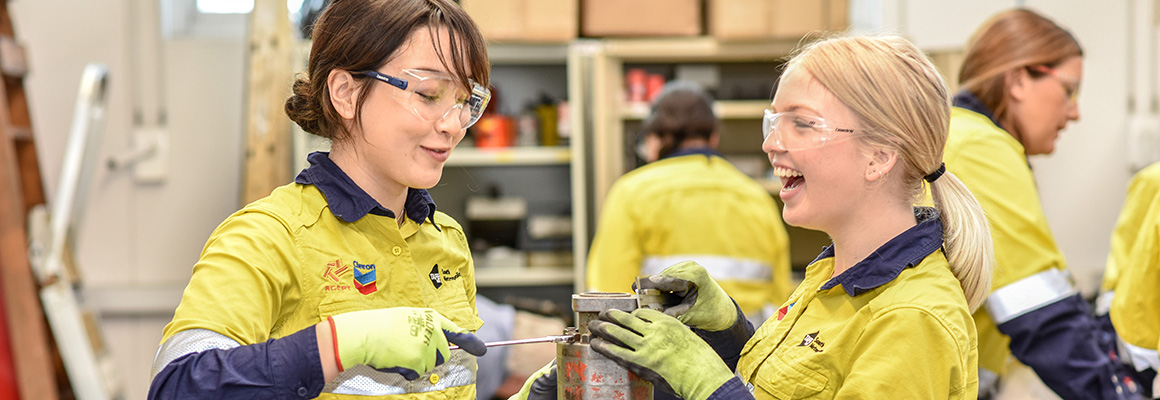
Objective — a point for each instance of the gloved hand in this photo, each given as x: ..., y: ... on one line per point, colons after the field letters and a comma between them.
x: 704, y: 305
x: 540, y: 386
x: 660, y: 349
x: 404, y: 340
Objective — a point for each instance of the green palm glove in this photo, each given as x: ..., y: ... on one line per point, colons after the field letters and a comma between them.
x: 540, y: 386
x: 404, y: 340
x: 660, y: 349
x: 704, y: 305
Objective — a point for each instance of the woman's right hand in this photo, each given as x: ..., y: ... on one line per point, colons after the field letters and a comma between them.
x: 403, y: 340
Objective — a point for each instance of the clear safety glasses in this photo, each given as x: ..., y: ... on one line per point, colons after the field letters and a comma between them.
x: 1070, y: 85
x: 433, y: 97
x: 793, y: 131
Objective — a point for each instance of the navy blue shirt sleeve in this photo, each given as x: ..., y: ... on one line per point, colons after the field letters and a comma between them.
x: 285, y: 368
x: 1059, y: 342
x: 733, y: 389
x: 728, y: 343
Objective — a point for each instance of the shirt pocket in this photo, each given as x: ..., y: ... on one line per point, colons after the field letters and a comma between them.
x: 451, y: 299
x: 786, y: 380
x: 344, y: 302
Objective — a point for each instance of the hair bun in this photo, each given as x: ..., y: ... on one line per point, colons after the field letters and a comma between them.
x: 303, y: 108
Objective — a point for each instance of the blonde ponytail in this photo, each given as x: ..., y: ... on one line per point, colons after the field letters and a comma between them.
x: 966, y: 237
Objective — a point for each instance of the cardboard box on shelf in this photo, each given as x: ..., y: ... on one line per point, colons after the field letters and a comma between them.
x: 533, y: 21
x: 774, y: 19
x: 640, y: 18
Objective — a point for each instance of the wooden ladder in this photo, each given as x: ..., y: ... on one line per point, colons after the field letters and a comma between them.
x: 36, y: 365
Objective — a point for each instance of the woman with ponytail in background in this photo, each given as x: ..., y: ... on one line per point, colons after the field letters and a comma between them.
x: 856, y: 131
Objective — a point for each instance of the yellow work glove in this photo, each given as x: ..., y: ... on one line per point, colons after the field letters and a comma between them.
x: 704, y: 305
x: 661, y: 350
x: 540, y: 386
x: 403, y: 340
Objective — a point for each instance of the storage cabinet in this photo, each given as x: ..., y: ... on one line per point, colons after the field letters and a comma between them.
x: 550, y: 180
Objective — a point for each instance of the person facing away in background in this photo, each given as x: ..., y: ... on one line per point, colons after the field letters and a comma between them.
x: 348, y: 281
x: 856, y: 131
x: 1019, y: 82
x: 690, y: 203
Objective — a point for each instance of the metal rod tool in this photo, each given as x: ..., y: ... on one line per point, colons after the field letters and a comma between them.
x: 545, y: 339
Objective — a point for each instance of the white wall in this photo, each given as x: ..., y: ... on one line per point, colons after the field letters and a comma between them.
x: 138, y: 241
x: 1084, y: 182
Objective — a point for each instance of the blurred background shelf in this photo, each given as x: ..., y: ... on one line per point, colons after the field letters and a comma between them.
x: 527, y: 53
x: 525, y: 155
x: 523, y: 276
x: 725, y: 109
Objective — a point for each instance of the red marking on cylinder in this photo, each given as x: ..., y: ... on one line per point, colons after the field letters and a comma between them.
x: 574, y: 393
x: 575, y: 369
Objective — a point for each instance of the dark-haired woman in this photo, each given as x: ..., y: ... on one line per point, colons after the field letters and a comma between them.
x: 347, y: 283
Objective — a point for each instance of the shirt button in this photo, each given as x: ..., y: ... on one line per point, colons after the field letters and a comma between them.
x: 396, y: 250
x: 302, y: 392
x: 434, y: 378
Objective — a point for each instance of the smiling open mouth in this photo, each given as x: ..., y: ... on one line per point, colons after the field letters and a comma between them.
x: 790, y: 178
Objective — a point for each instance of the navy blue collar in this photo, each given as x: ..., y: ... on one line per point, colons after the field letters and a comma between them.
x: 903, y: 251
x: 707, y: 151
x: 349, y: 202
x: 965, y: 99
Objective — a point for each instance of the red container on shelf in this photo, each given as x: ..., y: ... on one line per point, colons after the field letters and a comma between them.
x: 636, y: 85
x: 494, y: 130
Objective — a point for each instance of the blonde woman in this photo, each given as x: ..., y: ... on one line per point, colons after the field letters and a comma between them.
x: 855, y: 131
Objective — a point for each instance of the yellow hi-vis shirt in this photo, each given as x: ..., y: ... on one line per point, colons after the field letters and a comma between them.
x: 1135, y: 309
x: 285, y: 262
x: 894, y: 326
x: 993, y: 166
x: 1138, y: 206
x: 693, y: 207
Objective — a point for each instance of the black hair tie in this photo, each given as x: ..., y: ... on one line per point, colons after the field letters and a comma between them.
x: 942, y: 168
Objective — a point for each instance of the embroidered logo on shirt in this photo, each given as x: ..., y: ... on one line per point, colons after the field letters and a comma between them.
x: 781, y: 312
x: 436, y: 280
x: 448, y: 277
x: 813, y: 342
x: 334, y: 271
x: 364, y: 278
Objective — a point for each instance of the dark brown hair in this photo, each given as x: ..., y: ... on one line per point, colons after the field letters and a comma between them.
x: 681, y: 111
x: 1010, y: 40
x: 362, y: 35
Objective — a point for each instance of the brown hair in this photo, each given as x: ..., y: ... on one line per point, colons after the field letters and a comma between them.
x: 902, y: 104
x: 681, y: 111
x: 1012, y: 39
x: 362, y: 35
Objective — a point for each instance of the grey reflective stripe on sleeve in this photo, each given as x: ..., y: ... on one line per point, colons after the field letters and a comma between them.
x: 1138, y: 357
x: 719, y: 267
x: 1104, y: 302
x: 362, y: 380
x: 186, y: 342
x: 988, y: 383
x: 1028, y: 294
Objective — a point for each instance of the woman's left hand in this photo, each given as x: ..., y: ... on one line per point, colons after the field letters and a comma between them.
x: 662, y: 350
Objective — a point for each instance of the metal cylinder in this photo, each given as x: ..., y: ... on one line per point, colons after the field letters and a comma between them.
x: 583, y: 374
